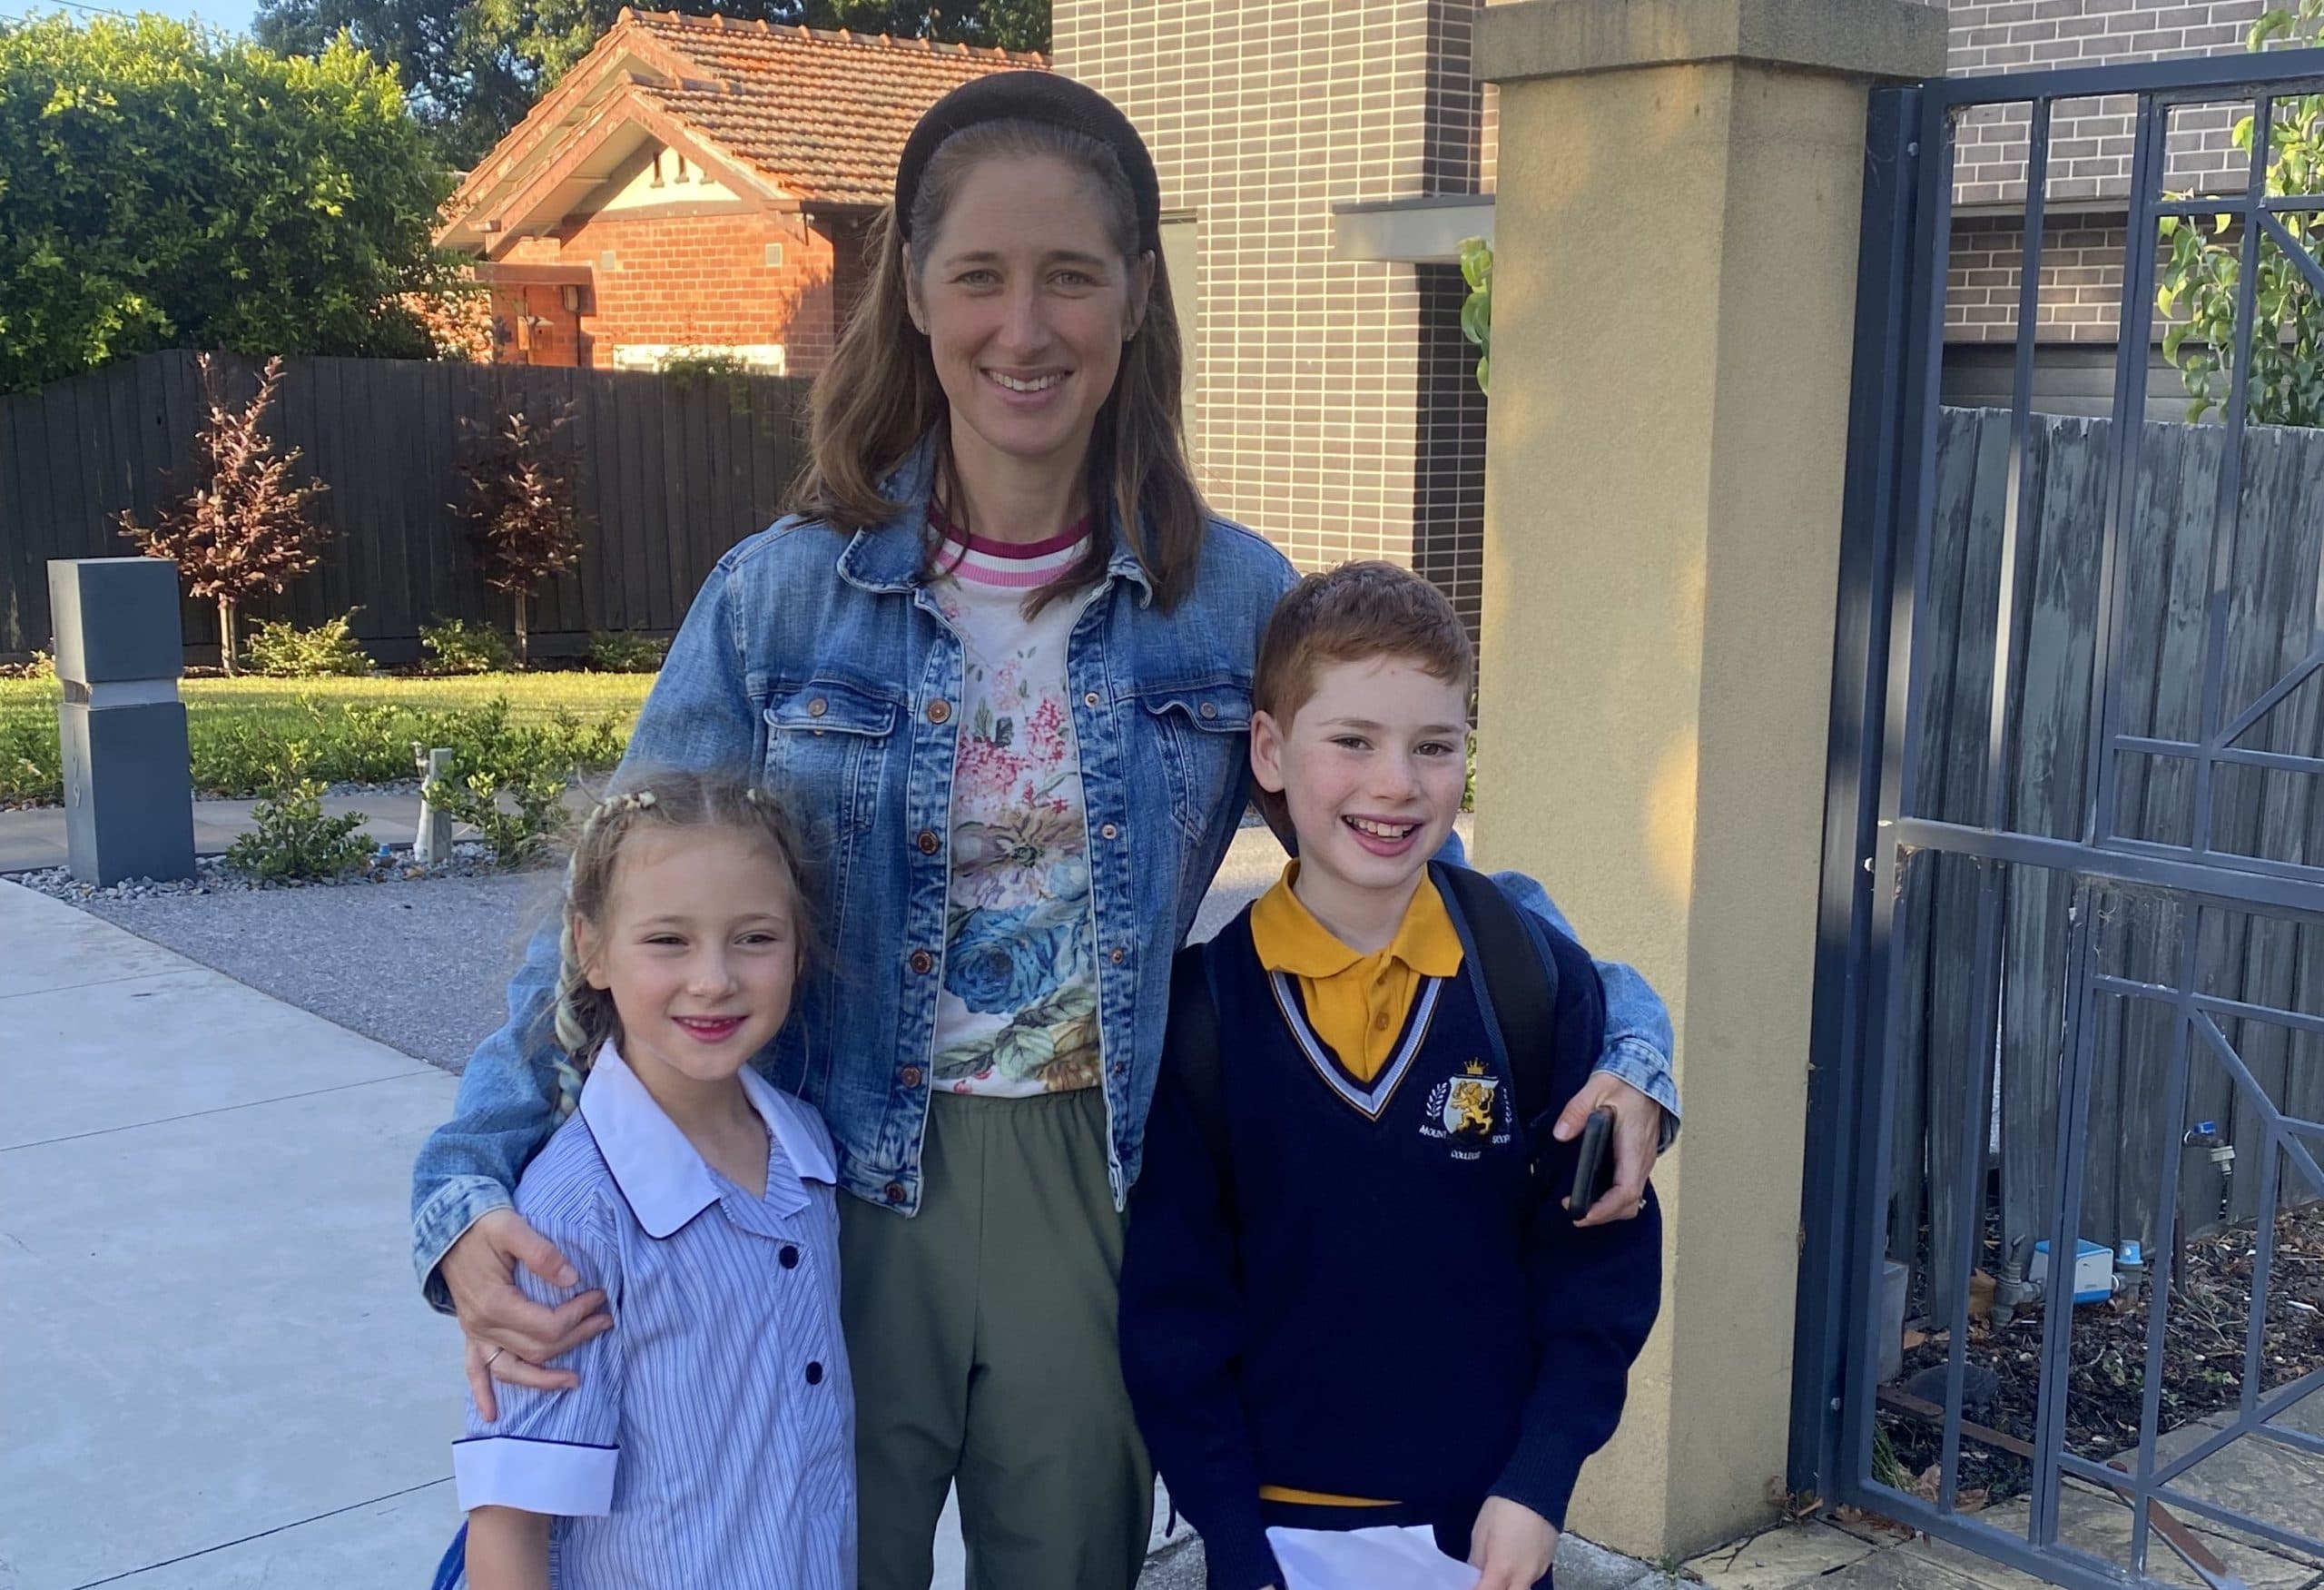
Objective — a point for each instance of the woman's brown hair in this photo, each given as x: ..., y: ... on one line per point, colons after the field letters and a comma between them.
x: 879, y: 394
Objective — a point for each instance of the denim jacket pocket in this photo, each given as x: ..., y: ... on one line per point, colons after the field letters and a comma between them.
x: 825, y: 745
x: 1202, y: 731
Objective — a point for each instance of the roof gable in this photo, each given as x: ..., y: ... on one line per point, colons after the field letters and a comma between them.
x: 818, y: 118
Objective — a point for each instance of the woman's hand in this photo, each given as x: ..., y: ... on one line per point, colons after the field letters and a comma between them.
x: 1638, y: 1138
x: 1513, y: 1544
x: 510, y: 1335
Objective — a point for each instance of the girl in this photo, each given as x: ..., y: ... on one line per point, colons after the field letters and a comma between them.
x: 710, y: 1438
x: 1004, y: 653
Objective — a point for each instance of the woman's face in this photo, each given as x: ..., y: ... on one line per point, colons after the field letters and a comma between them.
x: 1026, y: 305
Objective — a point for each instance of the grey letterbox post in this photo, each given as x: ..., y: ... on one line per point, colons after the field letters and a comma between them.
x: 128, y: 779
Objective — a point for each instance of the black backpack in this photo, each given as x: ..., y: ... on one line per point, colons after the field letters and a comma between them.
x: 1520, y: 984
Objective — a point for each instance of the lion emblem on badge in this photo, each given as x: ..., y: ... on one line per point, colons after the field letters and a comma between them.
x: 1467, y: 1108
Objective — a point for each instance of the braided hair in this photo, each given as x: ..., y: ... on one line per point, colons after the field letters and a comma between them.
x: 585, y: 1017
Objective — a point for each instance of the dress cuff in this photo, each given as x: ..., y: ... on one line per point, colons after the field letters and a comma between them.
x: 564, y: 1479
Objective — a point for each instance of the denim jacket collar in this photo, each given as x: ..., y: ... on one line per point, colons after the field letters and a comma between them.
x: 892, y: 558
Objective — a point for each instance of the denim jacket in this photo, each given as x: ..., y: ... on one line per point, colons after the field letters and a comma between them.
x: 823, y: 665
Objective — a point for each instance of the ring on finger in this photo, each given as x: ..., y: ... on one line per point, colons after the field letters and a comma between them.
x: 492, y: 1357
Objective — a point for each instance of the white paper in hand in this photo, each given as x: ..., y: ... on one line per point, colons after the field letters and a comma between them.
x: 1367, y: 1559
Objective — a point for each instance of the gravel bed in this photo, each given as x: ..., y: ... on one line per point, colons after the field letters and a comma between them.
x: 389, y: 865
x: 420, y: 963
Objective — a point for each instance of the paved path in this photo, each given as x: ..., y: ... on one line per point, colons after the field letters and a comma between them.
x: 34, y: 836
x: 217, y: 1373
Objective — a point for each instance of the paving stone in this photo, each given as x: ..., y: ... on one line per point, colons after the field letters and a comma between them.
x: 1780, y: 1558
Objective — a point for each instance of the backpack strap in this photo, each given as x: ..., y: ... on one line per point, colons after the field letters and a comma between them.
x: 1190, y: 1052
x: 1520, y: 980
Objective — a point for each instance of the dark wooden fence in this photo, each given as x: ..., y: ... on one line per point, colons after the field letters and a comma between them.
x: 2271, y: 624
x: 668, y: 474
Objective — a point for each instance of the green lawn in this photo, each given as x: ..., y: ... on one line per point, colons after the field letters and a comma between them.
x: 248, y: 733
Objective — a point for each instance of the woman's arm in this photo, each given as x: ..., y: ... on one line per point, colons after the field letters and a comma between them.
x: 507, y: 1549
x: 465, y: 1244
x: 1632, y: 1076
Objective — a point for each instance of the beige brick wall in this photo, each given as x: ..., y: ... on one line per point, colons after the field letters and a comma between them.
x: 2090, y: 139
x: 1262, y: 115
x: 2082, y: 281
x: 2090, y: 155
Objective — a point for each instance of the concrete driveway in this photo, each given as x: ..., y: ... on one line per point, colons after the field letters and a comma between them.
x: 216, y: 1370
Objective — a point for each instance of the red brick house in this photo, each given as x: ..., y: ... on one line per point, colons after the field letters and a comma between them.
x: 698, y: 183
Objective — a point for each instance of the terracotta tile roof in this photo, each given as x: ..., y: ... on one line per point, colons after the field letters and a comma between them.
x: 822, y: 114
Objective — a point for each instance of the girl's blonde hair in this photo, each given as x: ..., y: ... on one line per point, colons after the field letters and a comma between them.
x: 879, y: 394
x: 663, y: 799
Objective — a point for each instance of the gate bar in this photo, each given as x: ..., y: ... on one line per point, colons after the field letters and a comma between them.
x: 2123, y: 863
x: 2226, y: 519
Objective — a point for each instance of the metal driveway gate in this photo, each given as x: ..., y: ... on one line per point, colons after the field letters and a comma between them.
x: 2071, y: 984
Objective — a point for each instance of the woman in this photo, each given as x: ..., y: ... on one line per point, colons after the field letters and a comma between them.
x: 1004, y: 655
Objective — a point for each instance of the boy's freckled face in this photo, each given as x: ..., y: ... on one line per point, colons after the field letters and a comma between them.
x: 1371, y: 765
x: 698, y: 950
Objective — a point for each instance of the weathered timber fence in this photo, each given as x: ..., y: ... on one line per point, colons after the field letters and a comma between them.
x: 668, y: 474
x: 2270, y: 624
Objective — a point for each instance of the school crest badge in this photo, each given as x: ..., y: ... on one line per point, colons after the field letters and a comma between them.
x: 1464, y: 1105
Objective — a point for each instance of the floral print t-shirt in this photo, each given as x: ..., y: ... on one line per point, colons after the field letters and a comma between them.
x: 1017, y: 1014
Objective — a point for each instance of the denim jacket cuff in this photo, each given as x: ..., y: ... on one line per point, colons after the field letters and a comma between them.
x: 1647, y: 1069
x: 457, y: 1204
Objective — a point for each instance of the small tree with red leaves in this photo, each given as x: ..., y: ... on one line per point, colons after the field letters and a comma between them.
x: 520, y: 513
x: 245, y: 530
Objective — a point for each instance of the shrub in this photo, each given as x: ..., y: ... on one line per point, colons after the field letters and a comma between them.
x: 31, y: 762
x: 520, y: 512
x: 295, y: 839
x: 247, y: 525
x: 624, y: 652
x: 458, y: 646
x: 40, y: 667
x: 513, y: 836
x: 280, y: 649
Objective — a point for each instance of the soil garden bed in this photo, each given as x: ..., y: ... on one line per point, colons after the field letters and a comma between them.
x: 2202, y: 1368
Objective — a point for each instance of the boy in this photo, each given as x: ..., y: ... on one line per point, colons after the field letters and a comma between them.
x: 1352, y: 1295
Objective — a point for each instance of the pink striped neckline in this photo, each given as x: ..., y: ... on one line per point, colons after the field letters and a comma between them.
x: 976, y: 560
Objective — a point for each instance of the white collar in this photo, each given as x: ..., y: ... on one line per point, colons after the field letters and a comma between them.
x: 663, y: 1176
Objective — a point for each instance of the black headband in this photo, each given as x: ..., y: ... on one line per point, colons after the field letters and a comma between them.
x: 1033, y: 96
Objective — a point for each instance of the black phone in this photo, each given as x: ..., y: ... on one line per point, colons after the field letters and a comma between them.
x: 1593, y: 1167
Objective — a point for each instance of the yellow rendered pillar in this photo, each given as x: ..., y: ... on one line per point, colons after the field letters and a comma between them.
x: 1674, y: 279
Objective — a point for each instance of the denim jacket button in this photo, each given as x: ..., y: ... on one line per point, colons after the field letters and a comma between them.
x: 938, y: 711
x: 895, y: 1192
x: 1110, y: 832
x: 928, y: 843
x: 910, y: 1078
x: 922, y: 963
x: 1118, y: 954
x: 1209, y: 709
x: 818, y: 706
x: 1090, y: 699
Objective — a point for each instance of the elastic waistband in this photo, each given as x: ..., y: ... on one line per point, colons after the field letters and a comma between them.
x: 1071, y: 1100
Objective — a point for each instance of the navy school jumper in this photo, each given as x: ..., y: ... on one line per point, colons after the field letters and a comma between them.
x: 1396, y: 1306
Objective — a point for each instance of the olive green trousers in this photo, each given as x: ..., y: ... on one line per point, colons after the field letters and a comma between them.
x: 981, y: 1338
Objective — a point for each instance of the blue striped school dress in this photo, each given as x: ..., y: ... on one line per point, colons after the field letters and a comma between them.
x: 711, y: 1440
